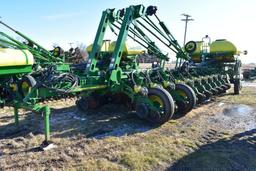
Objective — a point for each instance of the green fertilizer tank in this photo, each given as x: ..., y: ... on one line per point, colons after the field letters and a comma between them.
x: 220, y: 50
x: 223, y: 50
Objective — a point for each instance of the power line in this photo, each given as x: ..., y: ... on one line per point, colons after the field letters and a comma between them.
x: 186, y: 19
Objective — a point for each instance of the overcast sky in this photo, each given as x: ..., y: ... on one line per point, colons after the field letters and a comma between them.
x: 69, y: 21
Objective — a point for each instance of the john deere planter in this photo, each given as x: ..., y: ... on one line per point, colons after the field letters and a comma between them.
x: 29, y: 73
x: 219, y: 58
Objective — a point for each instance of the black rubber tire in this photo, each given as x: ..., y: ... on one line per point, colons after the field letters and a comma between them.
x: 214, y: 91
x: 219, y: 89
x: 228, y: 85
x: 208, y: 94
x: 190, y: 47
x: 183, y: 109
x: 237, y: 86
x: 200, y: 97
x: 224, y: 88
x: 29, y: 80
x: 168, y: 105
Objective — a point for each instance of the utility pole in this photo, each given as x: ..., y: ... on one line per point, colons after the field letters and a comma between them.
x: 186, y: 19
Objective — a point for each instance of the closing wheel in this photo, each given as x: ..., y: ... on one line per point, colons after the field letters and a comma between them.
x: 26, y: 84
x: 163, y: 105
x: 208, y: 94
x: 199, y: 96
x: 162, y: 108
x: 187, y: 101
x: 237, y: 86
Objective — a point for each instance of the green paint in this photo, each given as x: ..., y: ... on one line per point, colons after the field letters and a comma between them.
x: 46, y: 112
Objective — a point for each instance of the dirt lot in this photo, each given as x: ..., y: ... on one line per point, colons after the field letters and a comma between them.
x: 220, y: 135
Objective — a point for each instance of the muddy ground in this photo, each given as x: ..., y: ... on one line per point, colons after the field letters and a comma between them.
x: 220, y: 135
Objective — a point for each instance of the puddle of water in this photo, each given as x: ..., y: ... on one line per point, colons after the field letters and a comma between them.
x: 79, y: 118
x: 249, y: 84
x: 250, y: 125
x: 221, y: 104
x: 235, y: 116
x: 73, y: 115
x: 238, y: 111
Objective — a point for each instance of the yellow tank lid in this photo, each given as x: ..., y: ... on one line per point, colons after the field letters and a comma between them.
x: 104, y: 47
x: 110, y: 47
x: 126, y: 50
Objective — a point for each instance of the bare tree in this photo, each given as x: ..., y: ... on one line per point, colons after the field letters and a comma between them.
x: 78, y: 54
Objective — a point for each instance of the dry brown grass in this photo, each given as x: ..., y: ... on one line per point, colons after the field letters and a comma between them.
x: 247, y: 96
